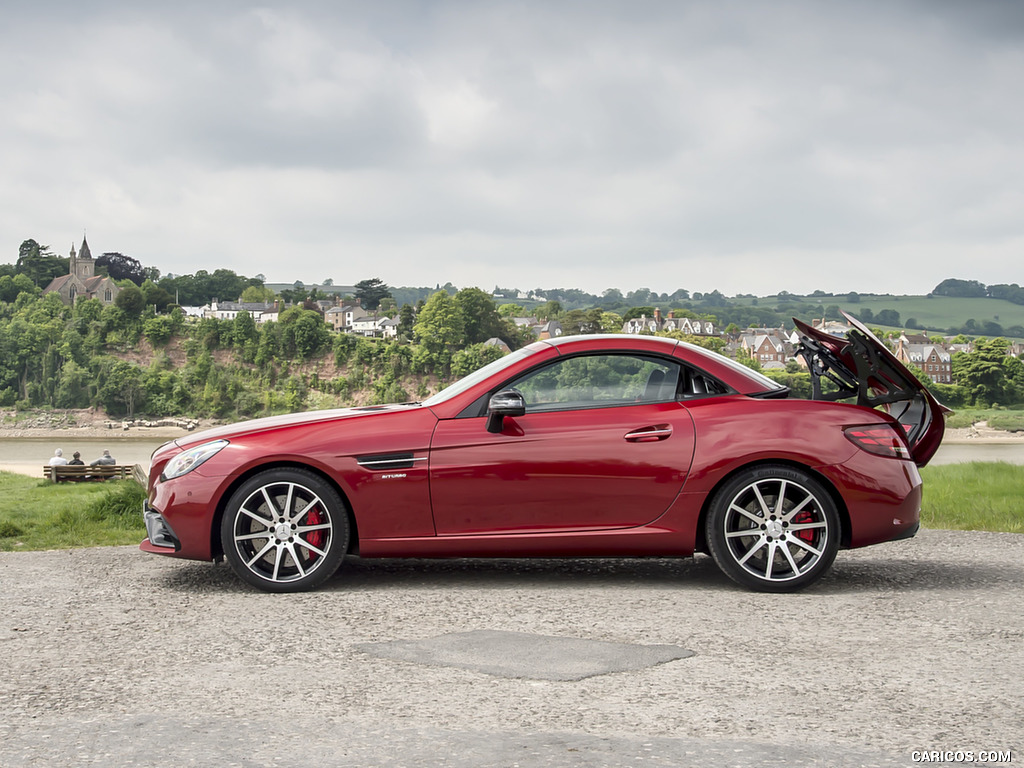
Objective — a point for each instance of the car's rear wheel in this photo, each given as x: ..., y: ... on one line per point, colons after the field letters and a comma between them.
x: 773, y: 529
x: 285, y: 530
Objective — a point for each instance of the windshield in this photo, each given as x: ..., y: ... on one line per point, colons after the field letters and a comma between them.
x: 477, y: 376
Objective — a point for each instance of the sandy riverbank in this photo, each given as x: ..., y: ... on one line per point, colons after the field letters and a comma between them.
x: 92, y: 424
x: 982, y: 433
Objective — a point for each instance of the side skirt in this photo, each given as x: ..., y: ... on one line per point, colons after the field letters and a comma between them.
x: 650, y: 541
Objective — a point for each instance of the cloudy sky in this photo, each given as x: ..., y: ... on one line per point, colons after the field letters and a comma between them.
x: 745, y: 146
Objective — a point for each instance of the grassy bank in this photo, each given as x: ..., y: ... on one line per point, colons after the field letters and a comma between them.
x: 975, y: 496
x: 998, y: 418
x: 36, y: 514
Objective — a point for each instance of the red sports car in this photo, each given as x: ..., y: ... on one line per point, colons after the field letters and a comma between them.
x: 573, y: 447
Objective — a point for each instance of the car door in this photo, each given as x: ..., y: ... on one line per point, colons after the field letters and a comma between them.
x: 604, y: 443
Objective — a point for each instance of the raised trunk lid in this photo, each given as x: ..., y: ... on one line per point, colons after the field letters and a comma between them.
x: 862, y: 367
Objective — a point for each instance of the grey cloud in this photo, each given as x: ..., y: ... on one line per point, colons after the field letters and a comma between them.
x: 579, y: 137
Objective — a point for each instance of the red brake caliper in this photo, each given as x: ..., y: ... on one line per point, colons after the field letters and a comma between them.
x: 315, y: 538
x: 807, y: 534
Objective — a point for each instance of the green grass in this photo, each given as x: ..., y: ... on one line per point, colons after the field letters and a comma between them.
x: 1010, y: 420
x: 975, y: 496
x: 37, y: 514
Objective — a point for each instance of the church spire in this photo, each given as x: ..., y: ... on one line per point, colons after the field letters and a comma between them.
x: 84, y: 252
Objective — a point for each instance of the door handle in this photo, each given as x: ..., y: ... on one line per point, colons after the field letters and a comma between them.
x: 649, y: 434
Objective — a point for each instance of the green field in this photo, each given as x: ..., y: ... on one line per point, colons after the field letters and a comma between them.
x: 941, y: 312
x: 935, y: 313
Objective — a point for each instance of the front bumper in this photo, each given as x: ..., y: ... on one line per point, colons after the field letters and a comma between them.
x: 161, y: 538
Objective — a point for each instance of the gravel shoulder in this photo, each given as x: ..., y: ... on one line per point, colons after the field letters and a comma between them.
x: 114, y: 657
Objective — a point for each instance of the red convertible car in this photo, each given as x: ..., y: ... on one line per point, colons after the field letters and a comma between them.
x: 573, y: 447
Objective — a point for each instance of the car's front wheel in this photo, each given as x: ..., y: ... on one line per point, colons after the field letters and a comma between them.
x: 773, y: 529
x: 285, y: 530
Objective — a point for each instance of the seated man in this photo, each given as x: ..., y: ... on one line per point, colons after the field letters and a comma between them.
x: 76, y: 460
x: 58, y: 459
x: 106, y: 458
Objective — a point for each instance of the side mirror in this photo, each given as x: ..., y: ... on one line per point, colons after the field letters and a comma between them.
x: 508, y: 402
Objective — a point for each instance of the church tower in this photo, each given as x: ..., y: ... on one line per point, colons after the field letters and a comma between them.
x: 82, y: 265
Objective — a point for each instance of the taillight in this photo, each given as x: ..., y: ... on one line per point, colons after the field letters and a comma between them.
x: 880, y: 440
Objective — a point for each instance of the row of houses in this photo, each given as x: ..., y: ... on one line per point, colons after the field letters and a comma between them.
x: 345, y: 318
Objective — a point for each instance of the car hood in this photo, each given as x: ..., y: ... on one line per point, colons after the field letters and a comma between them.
x: 268, y: 423
x: 862, y: 367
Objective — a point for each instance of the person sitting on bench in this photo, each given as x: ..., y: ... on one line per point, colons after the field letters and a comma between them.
x: 106, y: 458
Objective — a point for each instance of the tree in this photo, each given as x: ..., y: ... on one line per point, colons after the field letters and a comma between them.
x: 204, y: 287
x: 121, y: 267
x: 633, y: 312
x: 475, y: 356
x: 583, y: 321
x: 155, y: 296
x: 480, y: 318
x: 406, y: 320
x: 888, y: 317
x: 611, y: 322
x: 549, y: 310
x: 961, y: 288
x: 39, y: 264
x: 981, y: 372
x: 10, y: 287
x: 715, y: 299
x: 257, y: 294
x: 30, y: 248
x: 639, y: 296
x: 370, y: 292
x: 439, y: 330
x: 131, y: 301
x: 303, y: 333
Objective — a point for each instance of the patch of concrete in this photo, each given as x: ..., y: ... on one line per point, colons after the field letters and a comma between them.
x: 525, y: 655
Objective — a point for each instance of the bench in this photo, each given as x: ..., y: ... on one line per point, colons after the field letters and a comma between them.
x: 63, y: 472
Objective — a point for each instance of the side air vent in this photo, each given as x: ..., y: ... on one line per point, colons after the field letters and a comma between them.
x: 389, y: 461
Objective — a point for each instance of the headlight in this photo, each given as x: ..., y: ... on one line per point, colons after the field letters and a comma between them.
x: 188, y: 460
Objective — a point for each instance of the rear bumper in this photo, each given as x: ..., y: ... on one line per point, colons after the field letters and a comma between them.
x: 910, y: 533
x: 882, y: 497
x: 161, y: 538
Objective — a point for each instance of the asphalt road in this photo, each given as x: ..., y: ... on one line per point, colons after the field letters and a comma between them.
x: 112, y: 657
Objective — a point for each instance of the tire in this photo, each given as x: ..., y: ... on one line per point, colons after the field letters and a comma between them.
x: 773, y: 529
x: 285, y: 530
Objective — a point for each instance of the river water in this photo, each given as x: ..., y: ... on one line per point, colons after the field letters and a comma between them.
x: 27, y: 455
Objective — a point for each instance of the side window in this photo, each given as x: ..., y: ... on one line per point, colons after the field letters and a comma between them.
x: 599, y: 381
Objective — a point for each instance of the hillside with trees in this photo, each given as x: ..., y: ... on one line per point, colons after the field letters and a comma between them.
x: 141, y: 355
